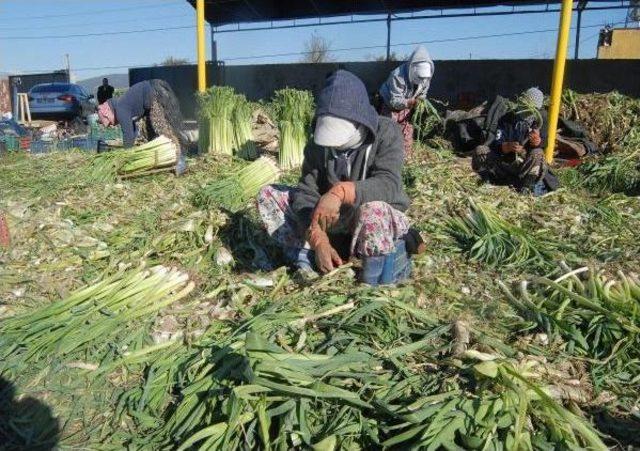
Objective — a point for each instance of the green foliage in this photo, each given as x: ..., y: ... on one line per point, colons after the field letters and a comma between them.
x: 595, y: 316
x: 488, y: 238
x: 426, y: 121
x: 616, y: 173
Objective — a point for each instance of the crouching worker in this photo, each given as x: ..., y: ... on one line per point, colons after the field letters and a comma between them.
x: 406, y: 86
x: 513, y: 153
x: 350, y: 199
x: 153, y: 101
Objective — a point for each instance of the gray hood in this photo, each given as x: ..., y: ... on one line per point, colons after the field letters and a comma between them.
x: 399, y: 88
x: 420, y: 55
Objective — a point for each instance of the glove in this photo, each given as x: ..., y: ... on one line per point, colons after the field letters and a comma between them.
x: 411, y: 103
x: 327, y: 210
x: 511, y: 147
x: 534, y: 138
x: 327, y: 257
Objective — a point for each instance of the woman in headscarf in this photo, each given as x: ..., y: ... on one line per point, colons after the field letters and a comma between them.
x: 152, y: 101
x: 406, y: 86
x: 513, y: 154
x: 350, y: 199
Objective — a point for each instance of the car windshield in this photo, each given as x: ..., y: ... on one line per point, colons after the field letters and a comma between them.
x: 51, y: 88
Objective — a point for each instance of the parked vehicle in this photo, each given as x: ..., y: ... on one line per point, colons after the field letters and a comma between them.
x: 60, y: 100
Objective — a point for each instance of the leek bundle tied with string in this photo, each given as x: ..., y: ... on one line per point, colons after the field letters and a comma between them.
x: 160, y: 153
x: 294, y: 111
x: 225, y: 123
x: 234, y: 191
x: 216, y: 109
x: 243, y: 145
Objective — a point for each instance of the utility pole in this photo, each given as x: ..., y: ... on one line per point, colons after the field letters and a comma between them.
x: 388, y: 36
x: 67, y: 65
x: 214, y: 47
x: 582, y: 4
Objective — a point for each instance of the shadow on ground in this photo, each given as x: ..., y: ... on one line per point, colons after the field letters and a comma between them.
x: 25, y: 423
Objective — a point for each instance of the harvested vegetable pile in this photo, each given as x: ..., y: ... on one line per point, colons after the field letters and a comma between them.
x: 612, y: 119
x: 495, y: 342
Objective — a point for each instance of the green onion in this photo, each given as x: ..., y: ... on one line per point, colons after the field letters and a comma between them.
x: 243, y: 136
x: 216, y: 109
x: 616, y: 172
x: 234, y: 191
x: 294, y: 111
x: 486, y: 237
x: 426, y: 120
x: 91, y: 315
x: 136, y: 161
x: 225, y: 123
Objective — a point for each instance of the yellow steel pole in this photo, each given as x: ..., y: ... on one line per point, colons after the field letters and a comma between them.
x: 202, y: 69
x: 558, y: 76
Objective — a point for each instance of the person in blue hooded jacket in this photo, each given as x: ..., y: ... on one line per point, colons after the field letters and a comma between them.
x: 407, y: 85
x: 350, y: 199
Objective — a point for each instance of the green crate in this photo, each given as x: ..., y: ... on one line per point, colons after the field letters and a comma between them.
x: 100, y: 132
x: 11, y: 143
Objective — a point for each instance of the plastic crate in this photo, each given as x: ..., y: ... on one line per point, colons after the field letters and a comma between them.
x: 11, y: 143
x: 99, y: 132
x: 24, y: 143
x: 40, y: 147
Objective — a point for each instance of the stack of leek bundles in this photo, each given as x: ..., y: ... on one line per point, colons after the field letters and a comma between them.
x: 225, y: 123
x: 294, y: 111
x: 157, y: 155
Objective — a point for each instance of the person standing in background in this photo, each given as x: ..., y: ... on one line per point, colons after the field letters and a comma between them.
x: 105, y: 91
x: 406, y: 85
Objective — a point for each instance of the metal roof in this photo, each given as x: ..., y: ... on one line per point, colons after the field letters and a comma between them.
x: 223, y: 12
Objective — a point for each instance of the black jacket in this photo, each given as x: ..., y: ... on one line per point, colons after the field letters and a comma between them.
x: 376, y: 173
x: 104, y: 93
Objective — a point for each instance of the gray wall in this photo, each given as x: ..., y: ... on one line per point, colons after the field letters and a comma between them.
x: 463, y: 83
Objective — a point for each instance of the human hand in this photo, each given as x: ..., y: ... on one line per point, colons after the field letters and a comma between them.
x: 511, y: 147
x: 534, y: 138
x: 327, y: 257
x: 327, y: 211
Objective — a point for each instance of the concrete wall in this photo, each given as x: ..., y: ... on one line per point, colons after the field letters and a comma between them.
x: 625, y: 43
x: 461, y: 83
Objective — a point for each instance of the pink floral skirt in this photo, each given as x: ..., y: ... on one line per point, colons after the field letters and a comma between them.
x: 374, y: 227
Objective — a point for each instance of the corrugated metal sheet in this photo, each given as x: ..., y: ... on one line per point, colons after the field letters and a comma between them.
x: 221, y: 12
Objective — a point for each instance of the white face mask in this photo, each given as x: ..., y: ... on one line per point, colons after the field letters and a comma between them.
x: 420, y: 72
x: 338, y: 133
x: 356, y: 140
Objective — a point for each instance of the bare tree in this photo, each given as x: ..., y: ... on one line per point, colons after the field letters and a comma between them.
x: 173, y: 61
x: 393, y: 56
x: 317, y: 50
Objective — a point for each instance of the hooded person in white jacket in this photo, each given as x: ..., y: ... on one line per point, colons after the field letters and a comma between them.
x: 406, y: 85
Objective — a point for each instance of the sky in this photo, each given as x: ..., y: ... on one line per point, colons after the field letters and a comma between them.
x: 30, y: 39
